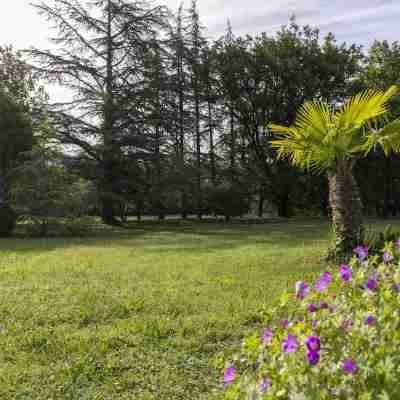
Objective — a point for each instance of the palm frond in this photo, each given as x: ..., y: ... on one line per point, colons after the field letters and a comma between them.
x: 320, y: 138
x: 314, y: 118
x: 388, y: 138
x: 363, y: 108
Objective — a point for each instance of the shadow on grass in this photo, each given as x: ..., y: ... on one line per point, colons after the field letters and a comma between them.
x: 181, y: 236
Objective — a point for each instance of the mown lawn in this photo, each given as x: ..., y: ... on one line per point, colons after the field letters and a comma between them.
x: 141, y: 313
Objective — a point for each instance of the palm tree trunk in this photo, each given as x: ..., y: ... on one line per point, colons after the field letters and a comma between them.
x: 346, y: 208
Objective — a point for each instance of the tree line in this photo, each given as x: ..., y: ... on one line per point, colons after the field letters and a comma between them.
x: 163, y: 120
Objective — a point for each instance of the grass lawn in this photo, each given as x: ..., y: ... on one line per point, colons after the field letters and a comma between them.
x: 141, y: 313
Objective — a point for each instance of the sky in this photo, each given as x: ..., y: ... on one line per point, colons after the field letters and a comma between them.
x: 352, y: 21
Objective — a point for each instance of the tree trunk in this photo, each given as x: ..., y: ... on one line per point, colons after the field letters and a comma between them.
x: 3, y: 189
x: 232, y: 150
x: 108, y: 203
x: 261, y: 200
x: 159, y: 178
x: 199, y: 193
x: 108, y: 210
x: 212, y: 149
x: 346, y: 208
x: 284, y: 206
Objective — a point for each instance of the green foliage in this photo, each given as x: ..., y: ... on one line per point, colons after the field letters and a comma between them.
x: 355, y: 317
x: 48, y: 197
x: 41, y: 227
x: 228, y: 201
x: 16, y: 132
x: 7, y: 220
x: 376, y: 240
x: 77, y: 226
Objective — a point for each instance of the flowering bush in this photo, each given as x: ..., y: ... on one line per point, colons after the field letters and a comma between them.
x: 339, y: 339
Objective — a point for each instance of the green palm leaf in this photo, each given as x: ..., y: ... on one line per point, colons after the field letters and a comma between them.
x: 321, y: 138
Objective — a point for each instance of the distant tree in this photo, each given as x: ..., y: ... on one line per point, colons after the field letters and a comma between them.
x: 16, y: 124
x: 196, y: 43
x: 266, y: 79
x: 180, y: 86
x: 380, y: 175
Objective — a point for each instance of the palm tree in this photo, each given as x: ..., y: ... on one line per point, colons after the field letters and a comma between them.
x: 329, y: 140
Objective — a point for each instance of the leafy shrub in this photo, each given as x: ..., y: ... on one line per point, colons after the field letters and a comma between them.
x: 7, y: 220
x: 50, y: 198
x: 77, y: 226
x: 376, y: 240
x: 41, y: 227
x: 228, y: 201
x: 336, y: 340
x: 57, y: 227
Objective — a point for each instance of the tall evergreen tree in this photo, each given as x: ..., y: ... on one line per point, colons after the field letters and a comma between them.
x: 99, y: 57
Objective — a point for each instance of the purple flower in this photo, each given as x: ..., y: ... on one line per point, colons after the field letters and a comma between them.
x: 398, y: 243
x: 302, y: 290
x: 291, y: 344
x: 264, y: 385
x: 345, y: 273
x: 313, y: 357
x: 266, y: 335
x: 323, y: 282
x: 370, y: 320
x: 375, y: 275
x: 349, y: 366
x: 314, y: 323
x: 229, y: 376
x: 323, y: 305
x: 312, y: 307
x: 372, y: 284
x: 313, y: 343
x: 362, y: 252
x: 285, y: 324
x: 396, y: 287
x: 387, y: 257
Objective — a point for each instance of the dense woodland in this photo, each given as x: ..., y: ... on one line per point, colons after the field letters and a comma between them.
x: 165, y: 121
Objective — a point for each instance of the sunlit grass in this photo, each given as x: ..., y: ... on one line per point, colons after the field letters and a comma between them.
x: 141, y: 313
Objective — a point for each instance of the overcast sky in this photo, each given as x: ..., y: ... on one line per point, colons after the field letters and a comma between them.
x: 359, y: 21
x: 350, y: 20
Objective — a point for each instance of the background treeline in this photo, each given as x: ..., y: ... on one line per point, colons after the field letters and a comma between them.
x: 163, y: 120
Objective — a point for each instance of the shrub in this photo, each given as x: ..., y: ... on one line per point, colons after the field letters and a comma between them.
x: 77, y: 226
x: 228, y: 201
x: 336, y: 340
x: 57, y: 227
x: 7, y: 220
x: 41, y: 227
x: 376, y: 240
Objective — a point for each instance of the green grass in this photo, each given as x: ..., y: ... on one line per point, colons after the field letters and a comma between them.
x: 141, y: 313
